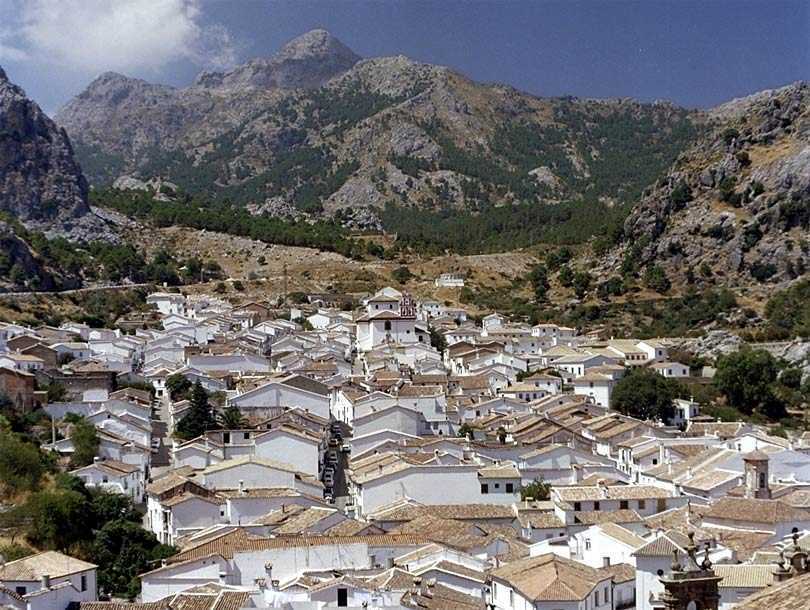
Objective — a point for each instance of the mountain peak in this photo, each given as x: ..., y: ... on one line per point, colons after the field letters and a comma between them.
x: 3, y: 77
x: 316, y: 43
x: 305, y: 62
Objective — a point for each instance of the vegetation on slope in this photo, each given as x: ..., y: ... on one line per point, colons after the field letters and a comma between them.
x: 225, y: 217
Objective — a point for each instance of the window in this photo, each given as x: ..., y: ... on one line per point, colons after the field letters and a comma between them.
x: 484, y: 488
x: 226, y: 438
x: 577, y: 506
x: 596, y: 505
x: 388, y: 325
x: 587, y: 544
x: 642, y: 504
x: 247, y: 436
x: 342, y: 598
x: 510, y: 488
x: 84, y: 582
x: 511, y: 598
x: 623, y: 504
x: 606, y: 564
x: 497, y: 485
x: 20, y: 590
x: 762, y: 480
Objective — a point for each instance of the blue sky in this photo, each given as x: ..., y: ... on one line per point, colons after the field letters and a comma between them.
x: 693, y: 53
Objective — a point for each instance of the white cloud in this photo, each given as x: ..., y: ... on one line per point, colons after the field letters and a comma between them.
x: 122, y: 35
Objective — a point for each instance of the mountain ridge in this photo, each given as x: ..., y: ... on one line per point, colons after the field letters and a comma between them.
x: 382, y: 131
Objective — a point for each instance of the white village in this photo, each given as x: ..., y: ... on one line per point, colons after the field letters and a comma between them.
x: 400, y: 454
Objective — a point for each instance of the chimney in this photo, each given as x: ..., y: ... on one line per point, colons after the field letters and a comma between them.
x: 268, y: 572
x: 96, y: 459
x: 46, y: 582
x: 602, y: 487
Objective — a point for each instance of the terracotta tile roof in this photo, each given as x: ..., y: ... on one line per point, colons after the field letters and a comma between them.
x: 751, y: 510
x: 793, y: 594
x: 52, y: 563
x: 595, y: 517
x: 453, y: 568
x: 444, y: 511
x: 393, y: 579
x: 239, y: 541
x: 745, y: 576
x: 435, y: 596
x: 621, y: 572
x: 623, y: 535
x: 587, y: 493
x: 549, y: 578
x: 663, y: 545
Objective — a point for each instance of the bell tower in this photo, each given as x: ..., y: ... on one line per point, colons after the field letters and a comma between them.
x: 693, y: 585
x: 756, y: 475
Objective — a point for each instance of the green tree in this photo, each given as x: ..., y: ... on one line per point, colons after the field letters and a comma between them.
x: 402, y: 275
x: 464, y: 430
x: 746, y: 378
x: 12, y: 552
x: 656, y: 279
x: 538, y: 278
x: 199, y: 417
x: 537, y: 490
x: 566, y: 276
x: 644, y: 394
x: 56, y: 392
x: 21, y: 464
x: 58, y: 519
x: 109, y: 506
x: 791, y: 378
x: 123, y: 550
x: 788, y: 311
x: 231, y: 418
x: 437, y: 339
x: 581, y: 283
x: 178, y: 386
x: 85, y: 443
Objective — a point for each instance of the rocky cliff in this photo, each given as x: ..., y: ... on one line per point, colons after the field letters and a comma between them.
x: 315, y: 129
x: 41, y: 183
x: 735, y: 207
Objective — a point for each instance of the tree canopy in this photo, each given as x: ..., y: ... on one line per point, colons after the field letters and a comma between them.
x: 85, y: 443
x: 200, y: 415
x: 645, y: 394
x: 747, y: 379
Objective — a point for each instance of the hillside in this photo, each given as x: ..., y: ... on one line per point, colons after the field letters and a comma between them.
x: 314, y: 131
x: 735, y: 208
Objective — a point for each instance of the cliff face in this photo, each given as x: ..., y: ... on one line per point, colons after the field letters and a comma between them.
x: 735, y: 208
x: 41, y: 183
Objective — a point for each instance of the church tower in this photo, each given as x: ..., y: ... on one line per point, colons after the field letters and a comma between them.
x: 693, y: 585
x: 756, y: 475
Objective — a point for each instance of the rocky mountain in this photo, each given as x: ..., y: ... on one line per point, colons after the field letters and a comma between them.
x: 735, y: 207
x: 314, y: 129
x: 306, y: 62
x: 41, y: 183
